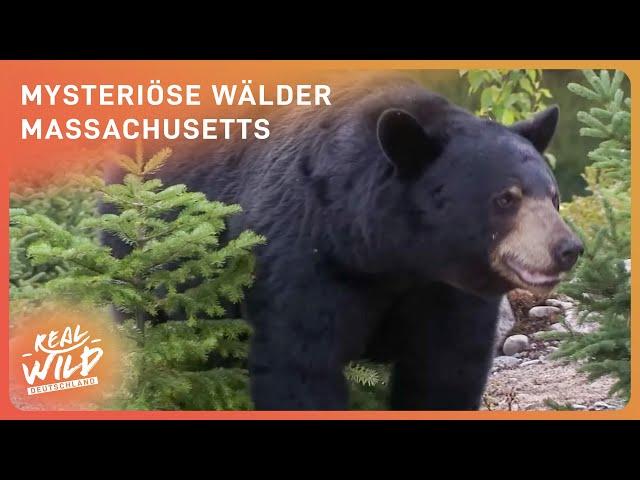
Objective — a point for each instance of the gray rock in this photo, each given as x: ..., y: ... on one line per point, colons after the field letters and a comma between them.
x: 553, y: 302
x: 515, y: 344
x: 577, y: 406
x: 503, y: 362
x: 506, y: 321
x: 544, y: 311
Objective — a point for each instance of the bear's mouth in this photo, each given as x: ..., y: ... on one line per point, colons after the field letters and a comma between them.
x: 530, y: 277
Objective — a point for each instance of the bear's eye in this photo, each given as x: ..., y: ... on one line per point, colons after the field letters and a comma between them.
x: 508, y: 198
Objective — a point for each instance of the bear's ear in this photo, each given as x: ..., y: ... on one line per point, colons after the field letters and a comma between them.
x: 405, y: 143
x: 540, y: 128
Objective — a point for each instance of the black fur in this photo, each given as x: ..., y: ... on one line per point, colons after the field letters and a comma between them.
x: 377, y: 242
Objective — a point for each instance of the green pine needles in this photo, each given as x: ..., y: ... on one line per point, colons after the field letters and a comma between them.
x: 368, y: 385
x: 174, y: 235
x: 609, y: 120
x: 66, y: 204
x: 602, y: 286
x: 602, y: 280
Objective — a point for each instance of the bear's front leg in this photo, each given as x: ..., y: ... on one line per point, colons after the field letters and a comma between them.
x: 445, y: 350
x: 305, y: 329
x: 296, y: 368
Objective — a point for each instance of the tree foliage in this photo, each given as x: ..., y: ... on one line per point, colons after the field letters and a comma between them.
x: 610, y: 121
x: 602, y: 280
x: 177, y: 266
x: 508, y: 96
x: 66, y: 204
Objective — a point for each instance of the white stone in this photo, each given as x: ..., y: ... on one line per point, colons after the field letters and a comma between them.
x: 544, y: 311
x: 515, y: 344
x: 553, y: 302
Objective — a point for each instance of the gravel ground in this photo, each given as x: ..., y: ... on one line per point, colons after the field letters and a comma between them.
x: 527, y: 388
x: 531, y: 377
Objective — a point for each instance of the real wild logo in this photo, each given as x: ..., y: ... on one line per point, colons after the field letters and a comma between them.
x: 70, y: 358
x: 64, y: 359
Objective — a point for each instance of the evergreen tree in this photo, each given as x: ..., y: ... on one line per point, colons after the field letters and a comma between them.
x: 610, y: 121
x: 601, y: 281
x: 199, y: 363
x: 63, y: 201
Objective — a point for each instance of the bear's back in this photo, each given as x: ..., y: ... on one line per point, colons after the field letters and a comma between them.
x: 304, y: 142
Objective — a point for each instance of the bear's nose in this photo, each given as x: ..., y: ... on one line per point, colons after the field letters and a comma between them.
x: 567, y: 252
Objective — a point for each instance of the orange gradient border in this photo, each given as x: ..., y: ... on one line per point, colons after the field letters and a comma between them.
x: 8, y: 89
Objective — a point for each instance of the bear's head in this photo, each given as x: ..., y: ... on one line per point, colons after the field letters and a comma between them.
x: 480, y: 200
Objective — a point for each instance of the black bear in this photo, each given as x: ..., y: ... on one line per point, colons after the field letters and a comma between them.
x: 395, y: 221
